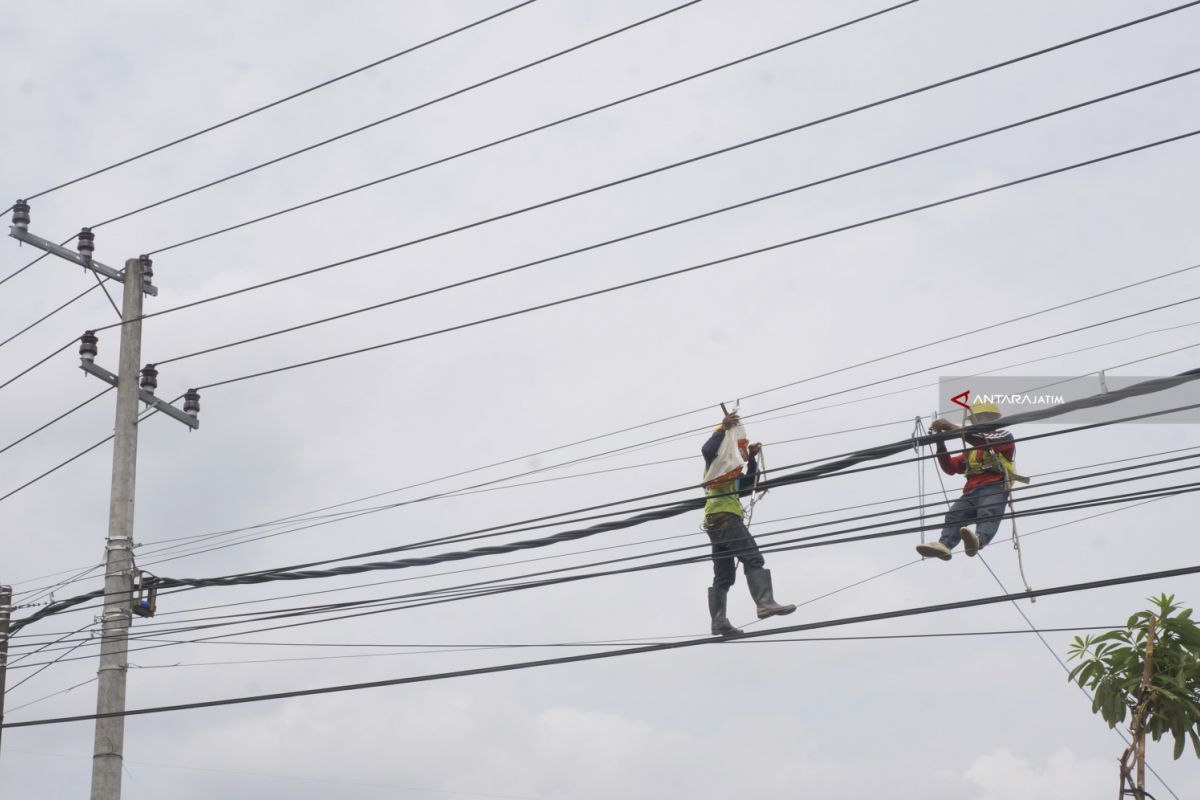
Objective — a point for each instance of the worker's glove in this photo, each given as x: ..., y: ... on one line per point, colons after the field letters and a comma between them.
x: 755, y: 449
x: 730, y: 421
x: 939, y: 425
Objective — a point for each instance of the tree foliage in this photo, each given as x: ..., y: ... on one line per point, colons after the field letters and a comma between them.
x: 1112, y: 666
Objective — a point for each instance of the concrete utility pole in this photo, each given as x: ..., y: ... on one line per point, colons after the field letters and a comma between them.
x: 118, y: 573
x: 5, y: 613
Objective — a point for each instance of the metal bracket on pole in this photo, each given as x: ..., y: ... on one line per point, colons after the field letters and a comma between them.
x: 86, y: 262
x: 146, y: 397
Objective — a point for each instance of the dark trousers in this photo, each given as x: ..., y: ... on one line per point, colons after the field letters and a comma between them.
x: 731, y: 540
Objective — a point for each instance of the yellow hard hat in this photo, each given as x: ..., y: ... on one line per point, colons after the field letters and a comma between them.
x: 984, y: 407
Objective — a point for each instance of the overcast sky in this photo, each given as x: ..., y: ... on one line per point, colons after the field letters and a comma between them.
x: 964, y: 718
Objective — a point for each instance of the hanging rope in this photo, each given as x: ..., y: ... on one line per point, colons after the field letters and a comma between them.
x: 1016, y: 539
x: 918, y: 432
x: 755, y: 495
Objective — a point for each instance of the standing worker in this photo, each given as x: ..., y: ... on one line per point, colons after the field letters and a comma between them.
x: 988, y: 466
x: 726, y: 528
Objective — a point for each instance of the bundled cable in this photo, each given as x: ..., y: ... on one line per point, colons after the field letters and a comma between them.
x: 666, y: 510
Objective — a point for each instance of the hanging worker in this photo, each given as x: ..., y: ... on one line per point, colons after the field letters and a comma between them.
x: 724, y: 522
x: 987, y: 464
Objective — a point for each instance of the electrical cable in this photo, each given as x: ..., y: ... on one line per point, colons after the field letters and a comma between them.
x: 37, y: 364
x: 257, y: 577
x: 494, y: 587
x: 703, y: 409
x: 54, y: 694
x: 278, y: 102
x: 489, y: 588
x: 62, y: 464
x: 921, y: 527
x: 484, y: 647
x: 61, y: 416
x: 389, y: 506
x: 657, y: 228
x: 695, y: 267
x: 1074, y: 330
x: 529, y: 131
x: 747, y: 143
x: 841, y: 520
x: 1157, y: 454
x: 658, y: 646
x: 50, y: 314
x: 411, y: 109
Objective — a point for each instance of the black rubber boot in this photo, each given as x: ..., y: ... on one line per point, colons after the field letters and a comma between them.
x: 721, y: 626
x: 759, y: 580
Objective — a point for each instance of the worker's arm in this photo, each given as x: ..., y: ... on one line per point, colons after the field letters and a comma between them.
x: 951, y: 465
x: 710, y: 448
x: 746, y: 481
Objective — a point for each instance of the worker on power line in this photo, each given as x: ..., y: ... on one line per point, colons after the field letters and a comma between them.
x: 724, y: 522
x: 988, y: 465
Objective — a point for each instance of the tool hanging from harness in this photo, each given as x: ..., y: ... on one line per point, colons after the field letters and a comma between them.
x: 982, y: 458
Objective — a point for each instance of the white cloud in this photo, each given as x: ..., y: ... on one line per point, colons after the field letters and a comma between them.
x: 1000, y: 775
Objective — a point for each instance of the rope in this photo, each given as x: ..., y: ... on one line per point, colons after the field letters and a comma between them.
x: 758, y: 476
x: 1016, y: 539
x: 918, y: 432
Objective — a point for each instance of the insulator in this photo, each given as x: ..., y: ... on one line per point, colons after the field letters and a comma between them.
x: 87, y: 346
x: 147, y: 268
x: 149, y: 378
x: 191, y: 403
x: 20, y: 218
x: 87, y: 243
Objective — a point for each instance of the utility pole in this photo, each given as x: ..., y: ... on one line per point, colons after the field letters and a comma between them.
x: 121, y: 576
x: 5, y: 613
x: 108, y: 753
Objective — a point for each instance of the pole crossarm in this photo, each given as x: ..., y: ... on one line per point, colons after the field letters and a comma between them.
x: 146, y: 397
x: 86, y: 262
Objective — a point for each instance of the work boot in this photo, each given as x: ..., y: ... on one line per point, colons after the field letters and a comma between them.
x: 759, y: 580
x: 934, y: 550
x: 721, y: 626
x: 970, y: 541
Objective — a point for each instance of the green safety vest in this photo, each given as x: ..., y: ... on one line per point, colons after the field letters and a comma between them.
x: 723, y: 499
x: 990, y: 461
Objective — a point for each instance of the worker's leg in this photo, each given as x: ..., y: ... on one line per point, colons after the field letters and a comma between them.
x: 723, y: 549
x: 724, y: 574
x: 990, y: 500
x: 757, y: 578
x: 961, y: 512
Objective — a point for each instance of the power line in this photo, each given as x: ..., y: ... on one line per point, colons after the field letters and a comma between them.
x: 658, y: 228
x: 352, y: 514
x: 707, y: 408
x: 397, y: 115
x: 694, y: 159
x: 705, y: 265
x: 50, y: 314
x: 211, y: 640
x: 1090, y: 464
x: 658, y: 646
x: 62, y: 464
x: 295, y: 572
x: 505, y: 585
x: 537, y: 129
x: 61, y: 416
x: 485, y: 647
x: 491, y: 486
x: 280, y: 101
